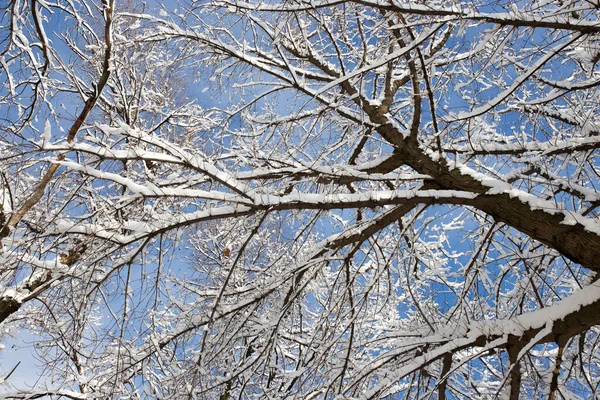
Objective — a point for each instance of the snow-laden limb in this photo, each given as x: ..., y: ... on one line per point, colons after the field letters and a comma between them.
x: 341, y: 174
x: 359, y: 200
x: 150, y: 190
x: 192, y: 160
x: 575, y: 312
x: 532, y: 149
x: 39, y: 394
x: 498, y: 187
x: 113, y: 154
x: 466, y: 11
x: 140, y: 230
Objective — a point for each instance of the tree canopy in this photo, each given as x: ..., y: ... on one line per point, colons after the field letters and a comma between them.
x: 312, y: 199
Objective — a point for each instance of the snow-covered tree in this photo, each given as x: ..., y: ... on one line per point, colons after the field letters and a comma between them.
x: 305, y: 199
